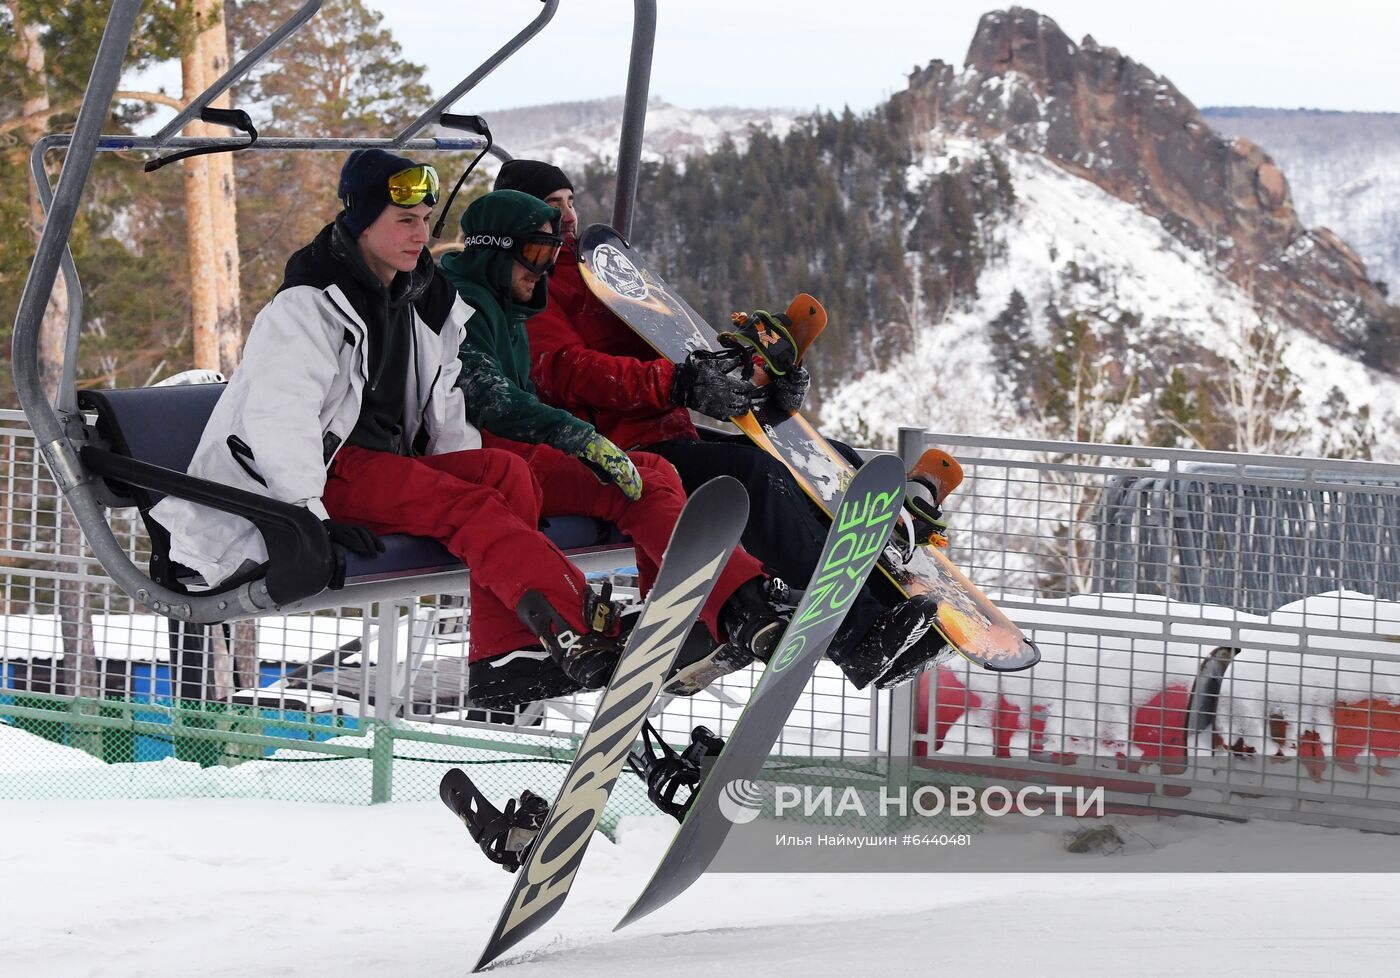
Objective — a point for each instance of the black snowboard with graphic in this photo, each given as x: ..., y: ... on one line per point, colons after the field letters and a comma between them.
x: 705, y: 536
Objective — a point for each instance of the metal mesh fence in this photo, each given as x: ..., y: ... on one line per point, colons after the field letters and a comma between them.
x: 1219, y: 632
x: 99, y: 698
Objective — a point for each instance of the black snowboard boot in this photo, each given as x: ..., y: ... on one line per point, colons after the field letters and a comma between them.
x: 755, y: 615
x: 587, y: 658
x: 896, y: 644
x: 753, y: 619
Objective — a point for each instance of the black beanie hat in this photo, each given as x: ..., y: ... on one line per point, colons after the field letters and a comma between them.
x: 534, y: 177
x: 364, y: 185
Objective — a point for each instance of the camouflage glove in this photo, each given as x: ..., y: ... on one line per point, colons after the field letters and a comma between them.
x: 612, y: 466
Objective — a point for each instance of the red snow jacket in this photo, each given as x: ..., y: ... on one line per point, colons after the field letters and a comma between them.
x: 587, y: 361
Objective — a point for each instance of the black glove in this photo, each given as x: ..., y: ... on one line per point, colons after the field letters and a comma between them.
x: 786, y: 393
x: 702, y: 385
x: 358, y: 540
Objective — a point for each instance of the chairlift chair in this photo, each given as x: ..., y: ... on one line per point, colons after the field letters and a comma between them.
x: 138, y: 446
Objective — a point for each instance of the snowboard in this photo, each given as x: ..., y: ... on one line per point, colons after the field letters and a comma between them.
x: 865, y: 516
x: 628, y: 286
x: 705, y: 536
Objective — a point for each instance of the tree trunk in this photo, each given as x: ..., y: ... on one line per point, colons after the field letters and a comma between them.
x: 212, y: 49
x: 199, y: 222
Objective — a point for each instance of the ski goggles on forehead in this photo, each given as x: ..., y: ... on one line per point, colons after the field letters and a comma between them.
x: 416, y: 185
x: 538, y: 250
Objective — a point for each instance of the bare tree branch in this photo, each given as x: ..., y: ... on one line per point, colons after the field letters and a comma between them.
x: 39, y: 119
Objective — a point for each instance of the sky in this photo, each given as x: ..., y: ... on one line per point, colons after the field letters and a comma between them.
x: 829, y: 53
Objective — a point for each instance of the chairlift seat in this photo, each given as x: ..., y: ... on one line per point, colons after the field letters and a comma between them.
x: 162, y: 426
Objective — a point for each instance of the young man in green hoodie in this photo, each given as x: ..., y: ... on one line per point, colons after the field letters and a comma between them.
x: 511, y: 240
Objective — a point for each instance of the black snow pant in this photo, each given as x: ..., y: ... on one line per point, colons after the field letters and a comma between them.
x: 786, y: 530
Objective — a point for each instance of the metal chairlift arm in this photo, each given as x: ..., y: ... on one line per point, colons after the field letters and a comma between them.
x: 300, y: 556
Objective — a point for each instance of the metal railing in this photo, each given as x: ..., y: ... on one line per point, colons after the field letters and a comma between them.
x: 1130, y: 567
x: 1306, y: 714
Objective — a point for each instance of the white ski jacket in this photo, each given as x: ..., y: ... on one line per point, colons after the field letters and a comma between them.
x: 291, y: 404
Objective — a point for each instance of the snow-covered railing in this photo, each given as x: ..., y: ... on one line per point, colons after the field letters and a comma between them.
x: 1290, y: 564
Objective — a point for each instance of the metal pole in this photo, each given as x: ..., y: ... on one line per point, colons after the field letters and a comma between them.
x: 900, y: 745
x: 475, y: 78
x: 67, y: 399
x: 191, y: 111
x: 29, y: 319
x: 634, y: 114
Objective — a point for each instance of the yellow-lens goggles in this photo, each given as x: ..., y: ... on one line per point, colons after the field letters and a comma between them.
x: 416, y: 185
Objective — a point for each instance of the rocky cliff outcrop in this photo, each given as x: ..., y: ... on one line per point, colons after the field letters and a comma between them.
x: 1103, y: 116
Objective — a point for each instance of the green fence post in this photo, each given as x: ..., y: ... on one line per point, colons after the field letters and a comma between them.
x: 382, y: 762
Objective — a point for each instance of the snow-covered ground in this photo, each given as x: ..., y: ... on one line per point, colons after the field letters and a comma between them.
x: 202, y: 887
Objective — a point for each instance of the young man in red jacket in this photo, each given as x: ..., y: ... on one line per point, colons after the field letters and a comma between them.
x: 586, y: 360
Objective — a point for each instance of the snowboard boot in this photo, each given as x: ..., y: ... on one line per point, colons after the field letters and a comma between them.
x: 700, y: 662
x: 753, y: 619
x: 923, y: 654
x: 504, y: 688
x: 755, y: 615
x: 588, y: 658
x: 896, y: 643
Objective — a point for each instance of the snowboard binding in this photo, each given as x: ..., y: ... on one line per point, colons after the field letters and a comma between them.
x: 761, y: 339
x: 934, y: 476
x: 504, y: 836
x: 665, y: 771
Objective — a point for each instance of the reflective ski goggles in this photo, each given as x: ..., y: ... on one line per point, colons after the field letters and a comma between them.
x: 537, y: 251
x: 416, y: 185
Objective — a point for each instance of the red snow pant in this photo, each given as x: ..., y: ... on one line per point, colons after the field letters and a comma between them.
x: 571, y: 489
x: 483, y: 506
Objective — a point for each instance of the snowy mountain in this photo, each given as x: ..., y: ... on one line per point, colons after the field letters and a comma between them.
x: 1344, y: 170
x: 571, y: 134
x: 1144, y: 255
x: 1054, y: 225
x: 1068, y: 244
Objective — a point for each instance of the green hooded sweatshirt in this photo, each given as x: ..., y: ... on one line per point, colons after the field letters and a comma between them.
x: 495, y: 377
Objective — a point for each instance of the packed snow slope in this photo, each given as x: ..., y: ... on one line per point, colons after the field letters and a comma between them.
x: 215, y: 888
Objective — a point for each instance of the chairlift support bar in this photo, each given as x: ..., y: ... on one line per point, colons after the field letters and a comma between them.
x: 191, y: 112
x: 475, y: 78
x: 634, y: 114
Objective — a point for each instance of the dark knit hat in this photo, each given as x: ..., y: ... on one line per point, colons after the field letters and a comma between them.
x: 534, y: 177
x: 364, y: 185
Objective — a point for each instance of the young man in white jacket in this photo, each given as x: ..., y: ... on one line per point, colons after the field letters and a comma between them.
x: 345, y: 403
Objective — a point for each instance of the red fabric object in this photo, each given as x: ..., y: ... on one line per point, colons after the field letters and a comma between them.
x: 588, y: 362
x: 570, y: 488
x: 1158, y: 726
x: 483, y: 506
